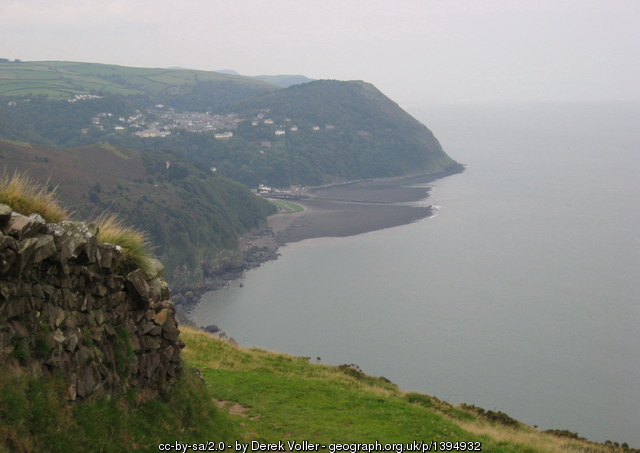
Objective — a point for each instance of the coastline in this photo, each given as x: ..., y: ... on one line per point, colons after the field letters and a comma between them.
x: 336, y: 210
x: 357, y: 207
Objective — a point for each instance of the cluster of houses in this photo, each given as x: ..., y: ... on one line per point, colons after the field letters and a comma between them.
x: 83, y: 97
x: 293, y: 192
x: 169, y: 119
x: 195, y: 121
x: 160, y: 120
x: 164, y: 121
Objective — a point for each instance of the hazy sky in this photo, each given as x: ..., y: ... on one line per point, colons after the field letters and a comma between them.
x: 415, y: 51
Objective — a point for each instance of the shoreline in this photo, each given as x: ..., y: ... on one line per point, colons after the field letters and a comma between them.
x: 357, y: 207
x: 336, y: 210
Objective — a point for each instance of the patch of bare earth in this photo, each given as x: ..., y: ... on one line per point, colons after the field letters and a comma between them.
x: 234, y: 408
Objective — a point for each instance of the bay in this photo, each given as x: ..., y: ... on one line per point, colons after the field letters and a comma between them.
x: 520, y: 295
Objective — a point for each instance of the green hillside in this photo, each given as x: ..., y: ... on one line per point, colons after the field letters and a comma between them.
x: 62, y: 80
x: 230, y: 394
x: 338, y: 130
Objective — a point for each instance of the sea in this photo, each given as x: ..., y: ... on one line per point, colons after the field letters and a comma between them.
x: 521, y: 294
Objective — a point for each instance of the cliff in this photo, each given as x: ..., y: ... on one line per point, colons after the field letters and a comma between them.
x: 67, y: 309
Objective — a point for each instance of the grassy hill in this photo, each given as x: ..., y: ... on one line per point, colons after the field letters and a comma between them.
x: 191, y: 214
x: 239, y: 394
x: 63, y: 80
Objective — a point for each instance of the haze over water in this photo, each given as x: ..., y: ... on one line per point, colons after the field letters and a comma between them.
x: 522, y: 293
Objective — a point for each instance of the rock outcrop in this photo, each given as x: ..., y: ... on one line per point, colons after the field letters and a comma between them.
x: 67, y: 309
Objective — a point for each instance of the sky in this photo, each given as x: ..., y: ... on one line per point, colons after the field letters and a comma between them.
x: 415, y: 51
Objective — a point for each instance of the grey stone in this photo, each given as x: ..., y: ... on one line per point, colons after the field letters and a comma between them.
x: 59, y: 315
x: 156, y: 331
x: 138, y: 286
x: 155, y: 289
x: 167, y: 352
x: 155, y: 268
x: 152, y: 364
x: 170, y: 331
x: 108, y: 255
x: 71, y: 238
x: 20, y: 226
x: 5, y: 213
x: 35, y: 249
x: 149, y: 343
x: 8, y: 242
x: 147, y: 327
x: 212, y: 328
x: 58, y: 336
x: 72, y: 342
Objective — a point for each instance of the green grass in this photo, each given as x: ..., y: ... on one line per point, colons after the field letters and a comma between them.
x: 60, y: 79
x: 289, y: 398
x: 35, y: 416
x: 279, y: 397
x: 286, y: 207
x: 27, y: 197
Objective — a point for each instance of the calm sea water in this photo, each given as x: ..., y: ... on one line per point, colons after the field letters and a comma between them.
x: 522, y: 294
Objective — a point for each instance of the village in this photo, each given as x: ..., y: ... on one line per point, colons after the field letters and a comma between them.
x: 161, y: 121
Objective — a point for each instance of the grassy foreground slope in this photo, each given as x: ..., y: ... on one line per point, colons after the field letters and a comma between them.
x: 277, y: 397
x: 239, y: 394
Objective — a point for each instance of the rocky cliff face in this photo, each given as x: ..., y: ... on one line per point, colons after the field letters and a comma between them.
x: 66, y: 309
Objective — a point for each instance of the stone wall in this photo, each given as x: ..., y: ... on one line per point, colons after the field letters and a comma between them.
x: 66, y: 309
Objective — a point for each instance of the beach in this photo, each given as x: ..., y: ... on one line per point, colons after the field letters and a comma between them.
x: 355, y: 208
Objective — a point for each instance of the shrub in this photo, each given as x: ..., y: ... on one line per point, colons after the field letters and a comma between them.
x: 135, y: 243
x: 421, y: 399
x: 27, y: 197
x: 564, y: 433
x: 493, y: 416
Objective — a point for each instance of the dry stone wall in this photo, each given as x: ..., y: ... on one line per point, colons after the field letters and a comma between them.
x: 66, y: 309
